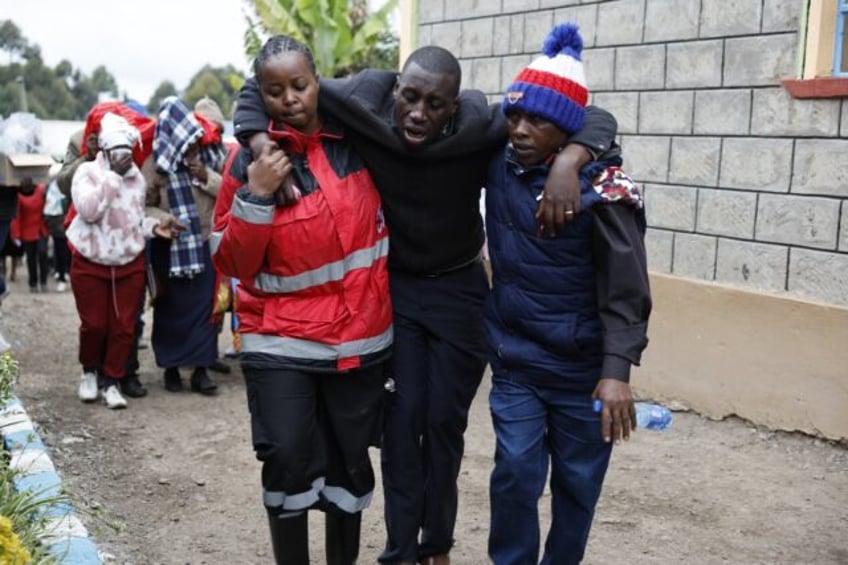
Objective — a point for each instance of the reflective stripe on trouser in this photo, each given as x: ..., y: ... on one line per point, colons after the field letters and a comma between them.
x: 305, y: 349
x: 338, y: 496
x: 312, y: 432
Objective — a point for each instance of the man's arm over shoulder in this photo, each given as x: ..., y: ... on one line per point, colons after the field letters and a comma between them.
x: 598, y: 134
x: 250, y: 116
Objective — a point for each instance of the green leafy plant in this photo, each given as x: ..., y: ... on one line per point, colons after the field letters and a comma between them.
x: 8, y: 375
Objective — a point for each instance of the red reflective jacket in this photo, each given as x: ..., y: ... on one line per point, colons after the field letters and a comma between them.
x: 314, y: 289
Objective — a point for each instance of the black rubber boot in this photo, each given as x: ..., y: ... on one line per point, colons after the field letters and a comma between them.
x: 341, y: 537
x: 290, y: 539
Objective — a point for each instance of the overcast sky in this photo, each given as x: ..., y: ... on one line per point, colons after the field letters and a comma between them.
x: 141, y: 43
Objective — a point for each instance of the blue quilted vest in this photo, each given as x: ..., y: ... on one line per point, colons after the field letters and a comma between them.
x: 542, y: 320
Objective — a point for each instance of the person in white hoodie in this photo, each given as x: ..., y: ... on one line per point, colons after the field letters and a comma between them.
x: 107, y: 237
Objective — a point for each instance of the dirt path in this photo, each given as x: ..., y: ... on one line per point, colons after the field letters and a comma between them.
x: 172, y: 479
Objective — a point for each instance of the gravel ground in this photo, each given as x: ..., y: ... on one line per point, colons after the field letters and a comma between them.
x: 172, y: 479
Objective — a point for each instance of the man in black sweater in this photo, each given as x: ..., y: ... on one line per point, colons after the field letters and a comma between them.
x: 427, y: 146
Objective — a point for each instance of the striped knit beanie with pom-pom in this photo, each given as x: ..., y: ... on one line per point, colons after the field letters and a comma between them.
x: 553, y: 86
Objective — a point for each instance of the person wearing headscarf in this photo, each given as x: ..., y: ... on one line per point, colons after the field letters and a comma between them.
x: 108, y: 236
x: 186, y: 152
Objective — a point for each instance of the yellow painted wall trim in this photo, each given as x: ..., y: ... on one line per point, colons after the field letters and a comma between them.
x: 408, y: 29
x: 821, y: 34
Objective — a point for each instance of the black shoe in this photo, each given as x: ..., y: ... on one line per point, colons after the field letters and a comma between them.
x: 220, y: 367
x: 173, y: 382
x: 200, y: 382
x: 132, y: 387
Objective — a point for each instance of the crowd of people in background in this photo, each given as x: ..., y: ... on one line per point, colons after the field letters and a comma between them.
x: 350, y: 217
x: 123, y: 222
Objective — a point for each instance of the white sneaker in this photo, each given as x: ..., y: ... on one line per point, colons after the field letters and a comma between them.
x: 4, y: 345
x: 88, y: 387
x: 113, y: 399
x: 61, y: 287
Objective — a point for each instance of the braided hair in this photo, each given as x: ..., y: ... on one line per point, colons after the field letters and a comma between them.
x: 277, y: 45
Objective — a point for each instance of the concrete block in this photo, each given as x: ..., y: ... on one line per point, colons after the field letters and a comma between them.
x: 694, y: 256
x: 510, y: 6
x: 448, y: 35
x: 425, y: 35
x: 721, y: 18
x: 780, y: 15
x: 753, y: 265
x: 465, y: 69
x: 659, y: 245
x: 671, y: 207
x: 516, y: 33
x: 776, y: 113
x: 640, y: 68
x: 760, y: 60
x: 623, y: 105
x: 756, y: 164
x: 477, y: 37
x: 646, y: 157
x: 819, y: 275
x: 669, y: 20
x: 843, y: 129
x: 537, y: 25
x: 471, y: 8
x: 798, y: 220
x: 821, y: 167
x: 510, y: 66
x: 599, y: 66
x: 694, y: 64
x: 620, y: 23
x: 486, y: 74
x: 666, y: 112
x: 584, y: 16
x: 727, y: 212
x: 843, y: 227
x: 694, y: 160
x: 722, y: 112
x: 431, y: 11
x: 500, y: 37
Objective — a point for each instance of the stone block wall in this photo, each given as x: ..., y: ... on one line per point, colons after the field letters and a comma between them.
x: 744, y: 185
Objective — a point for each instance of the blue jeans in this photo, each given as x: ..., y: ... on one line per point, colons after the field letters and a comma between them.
x: 534, y: 425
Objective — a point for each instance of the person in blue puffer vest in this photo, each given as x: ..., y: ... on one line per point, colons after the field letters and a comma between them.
x: 566, y: 317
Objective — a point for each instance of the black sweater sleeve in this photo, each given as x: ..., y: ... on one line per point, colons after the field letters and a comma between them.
x: 598, y: 134
x: 250, y: 116
x: 624, y: 294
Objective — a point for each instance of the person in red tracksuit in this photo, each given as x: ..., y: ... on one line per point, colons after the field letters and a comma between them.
x: 29, y: 228
x: 313, y: 306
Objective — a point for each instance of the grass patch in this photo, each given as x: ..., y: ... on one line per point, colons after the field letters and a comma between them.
x: 23, y: 518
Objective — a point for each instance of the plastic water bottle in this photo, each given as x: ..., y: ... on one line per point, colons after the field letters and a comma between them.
x: 649, y: 416
x: 652, y: 416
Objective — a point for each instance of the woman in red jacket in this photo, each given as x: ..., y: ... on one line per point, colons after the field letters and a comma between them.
x: 29, y: 228
x: 313, y: 307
